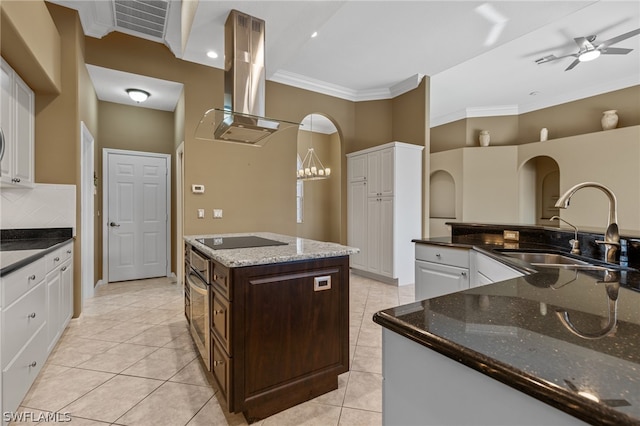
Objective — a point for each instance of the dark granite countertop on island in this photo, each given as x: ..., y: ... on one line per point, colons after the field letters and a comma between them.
x: 516, y: 332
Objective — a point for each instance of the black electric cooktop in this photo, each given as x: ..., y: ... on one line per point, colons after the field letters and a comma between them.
x: 222, y: 243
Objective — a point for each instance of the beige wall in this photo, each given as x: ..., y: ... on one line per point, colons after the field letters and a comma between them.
x: 569, y: 119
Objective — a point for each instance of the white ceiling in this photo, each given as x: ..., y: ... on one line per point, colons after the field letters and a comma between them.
x: 369, y: 50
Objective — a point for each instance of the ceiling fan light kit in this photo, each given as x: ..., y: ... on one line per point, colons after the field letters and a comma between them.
x: 588, y: 50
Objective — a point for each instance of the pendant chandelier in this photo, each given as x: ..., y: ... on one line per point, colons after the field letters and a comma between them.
x: 312, y: 168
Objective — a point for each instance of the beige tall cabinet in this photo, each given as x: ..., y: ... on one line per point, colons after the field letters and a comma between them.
x: 384, y: 203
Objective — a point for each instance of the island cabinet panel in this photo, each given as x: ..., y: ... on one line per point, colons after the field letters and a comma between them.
x: 288, y: 334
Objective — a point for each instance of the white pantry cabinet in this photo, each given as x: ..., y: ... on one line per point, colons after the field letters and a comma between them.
x: 17, y: 125
x: 384, y: 204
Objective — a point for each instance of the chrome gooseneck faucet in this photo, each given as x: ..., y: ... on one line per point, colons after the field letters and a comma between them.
x: 611, y: 236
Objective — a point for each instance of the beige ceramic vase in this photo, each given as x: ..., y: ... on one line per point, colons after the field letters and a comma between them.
x: 609, y: 119
x: 484, y: 138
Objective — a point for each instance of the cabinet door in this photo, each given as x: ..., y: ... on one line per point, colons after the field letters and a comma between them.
x: 373, y: 173
x: 386, y: 230
x: 357, y: 222
x: 23, y: 133
x: 433, y: 279
x: 6, y: 118
x: 387, y: 161
x: 53, y: 303
x: 357, y: 168
x: 374, y: 220
x: 66, y: 294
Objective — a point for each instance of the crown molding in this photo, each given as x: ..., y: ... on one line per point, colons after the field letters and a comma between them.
x: 318, y: 86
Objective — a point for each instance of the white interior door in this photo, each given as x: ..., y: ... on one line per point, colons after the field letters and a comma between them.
x: 137, y: 214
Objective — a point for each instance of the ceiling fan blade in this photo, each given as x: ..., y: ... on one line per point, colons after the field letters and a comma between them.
x: 573, y: 64
x: 619, y: 38
x: 584, y: 43
x: 615, y: 51
x: 552, y: 57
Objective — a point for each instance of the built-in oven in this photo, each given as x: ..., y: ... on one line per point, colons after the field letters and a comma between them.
x: 198, y: 281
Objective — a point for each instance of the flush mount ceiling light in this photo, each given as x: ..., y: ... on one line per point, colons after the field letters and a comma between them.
x: 589, y: 56
x: 138, y: 95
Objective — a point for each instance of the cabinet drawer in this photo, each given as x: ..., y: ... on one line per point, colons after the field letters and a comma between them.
x: 443, y: 255
x: 24, y: 279
x: 220, y: 279
x: 20, y: 374
x: 221, y: 320
x: 21, y: 320
x: 55, y: 259
x: 221, y: 369
x: 66, y: 252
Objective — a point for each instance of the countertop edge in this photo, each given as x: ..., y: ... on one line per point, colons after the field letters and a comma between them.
x: 27, y: 260
x: 332, y: 250
x: 533, y: 386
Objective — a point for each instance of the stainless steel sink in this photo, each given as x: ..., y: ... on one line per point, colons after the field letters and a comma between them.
x: 537, y: 258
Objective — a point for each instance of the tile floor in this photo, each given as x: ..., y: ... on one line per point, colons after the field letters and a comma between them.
x: 129, y: 360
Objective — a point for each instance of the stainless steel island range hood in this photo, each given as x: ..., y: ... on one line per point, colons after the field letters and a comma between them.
x: 242, y: 118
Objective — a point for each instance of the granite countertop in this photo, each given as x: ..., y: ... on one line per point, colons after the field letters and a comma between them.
x: 19, y: 247
x: 294, y: 249
x: 515, y: 331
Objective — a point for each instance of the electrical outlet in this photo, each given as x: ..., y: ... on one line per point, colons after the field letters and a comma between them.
x: 200, y: 213
x: 217, y: 213
x: 511, y: 235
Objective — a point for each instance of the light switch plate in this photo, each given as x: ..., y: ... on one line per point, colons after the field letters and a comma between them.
x: 197, y: 189
x: 200, y: 213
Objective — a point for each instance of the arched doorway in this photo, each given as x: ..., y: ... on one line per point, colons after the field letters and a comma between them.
x: 319, y: 200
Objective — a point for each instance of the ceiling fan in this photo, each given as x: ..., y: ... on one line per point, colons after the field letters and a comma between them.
x: 590, y: 51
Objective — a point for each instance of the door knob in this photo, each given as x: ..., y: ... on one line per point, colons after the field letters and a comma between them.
x: 114, y: 225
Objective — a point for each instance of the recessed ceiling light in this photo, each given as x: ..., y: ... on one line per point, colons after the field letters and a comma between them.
x: 212, y: 54
x: 138, y: 95
x: 314, y: 35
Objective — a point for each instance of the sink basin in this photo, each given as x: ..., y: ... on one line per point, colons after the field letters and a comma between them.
x: 537, y: 258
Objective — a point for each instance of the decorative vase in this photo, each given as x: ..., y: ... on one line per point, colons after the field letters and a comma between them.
x: 484, y: 138
x: 544, y: 134
x: 609, y: 119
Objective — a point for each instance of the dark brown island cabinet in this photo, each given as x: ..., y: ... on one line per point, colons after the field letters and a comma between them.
x: 279, y: 332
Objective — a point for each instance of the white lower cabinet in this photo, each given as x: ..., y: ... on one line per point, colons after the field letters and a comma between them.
x: 440, y: 270
x: 36, y: 304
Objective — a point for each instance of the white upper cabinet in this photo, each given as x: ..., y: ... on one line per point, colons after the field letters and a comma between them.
x: 17, y: 124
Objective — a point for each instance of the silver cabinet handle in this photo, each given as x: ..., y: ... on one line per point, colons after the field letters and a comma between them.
x: 32, y: 315
x: 114, y: 225
x: 64, y: 268
x: 56, y: 259
x: 464, y: 274
x: 216, y: 312
x: 33, y: 364
x: 68, y: 251
x: 216, y: 363
x: 15, y: 180
x: 32, y: 277
x: 438, y: 255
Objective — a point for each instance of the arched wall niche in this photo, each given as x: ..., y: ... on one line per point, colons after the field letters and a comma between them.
x: 442, y: 195
x: 321, y: 199
x: 539, y: 189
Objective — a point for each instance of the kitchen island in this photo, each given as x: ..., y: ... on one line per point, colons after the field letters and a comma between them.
x: 278, y: 317
x: 555, y: 346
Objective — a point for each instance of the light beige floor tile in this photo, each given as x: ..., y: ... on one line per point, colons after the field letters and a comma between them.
x: 60, y: 390
x: 213, y: 414
x: 170, y: 404
x: 68, y: 357
x: 353, y: 417
x: 183, y: 341
x: 370, y: 335
x: 308, y: 413
x: 367, y: 359
x: 118, y: 358
x: 83, y: 345
x: 158, y: 335
x: 161, y: 364
x: 364, y: 391
x: 121, y: 392
x: 193, y: 373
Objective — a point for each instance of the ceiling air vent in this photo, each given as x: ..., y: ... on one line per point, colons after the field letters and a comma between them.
x: 148, y: 17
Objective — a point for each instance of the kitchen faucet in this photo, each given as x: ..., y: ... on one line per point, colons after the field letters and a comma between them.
x: 611, y: 236
x: 575, y: 244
